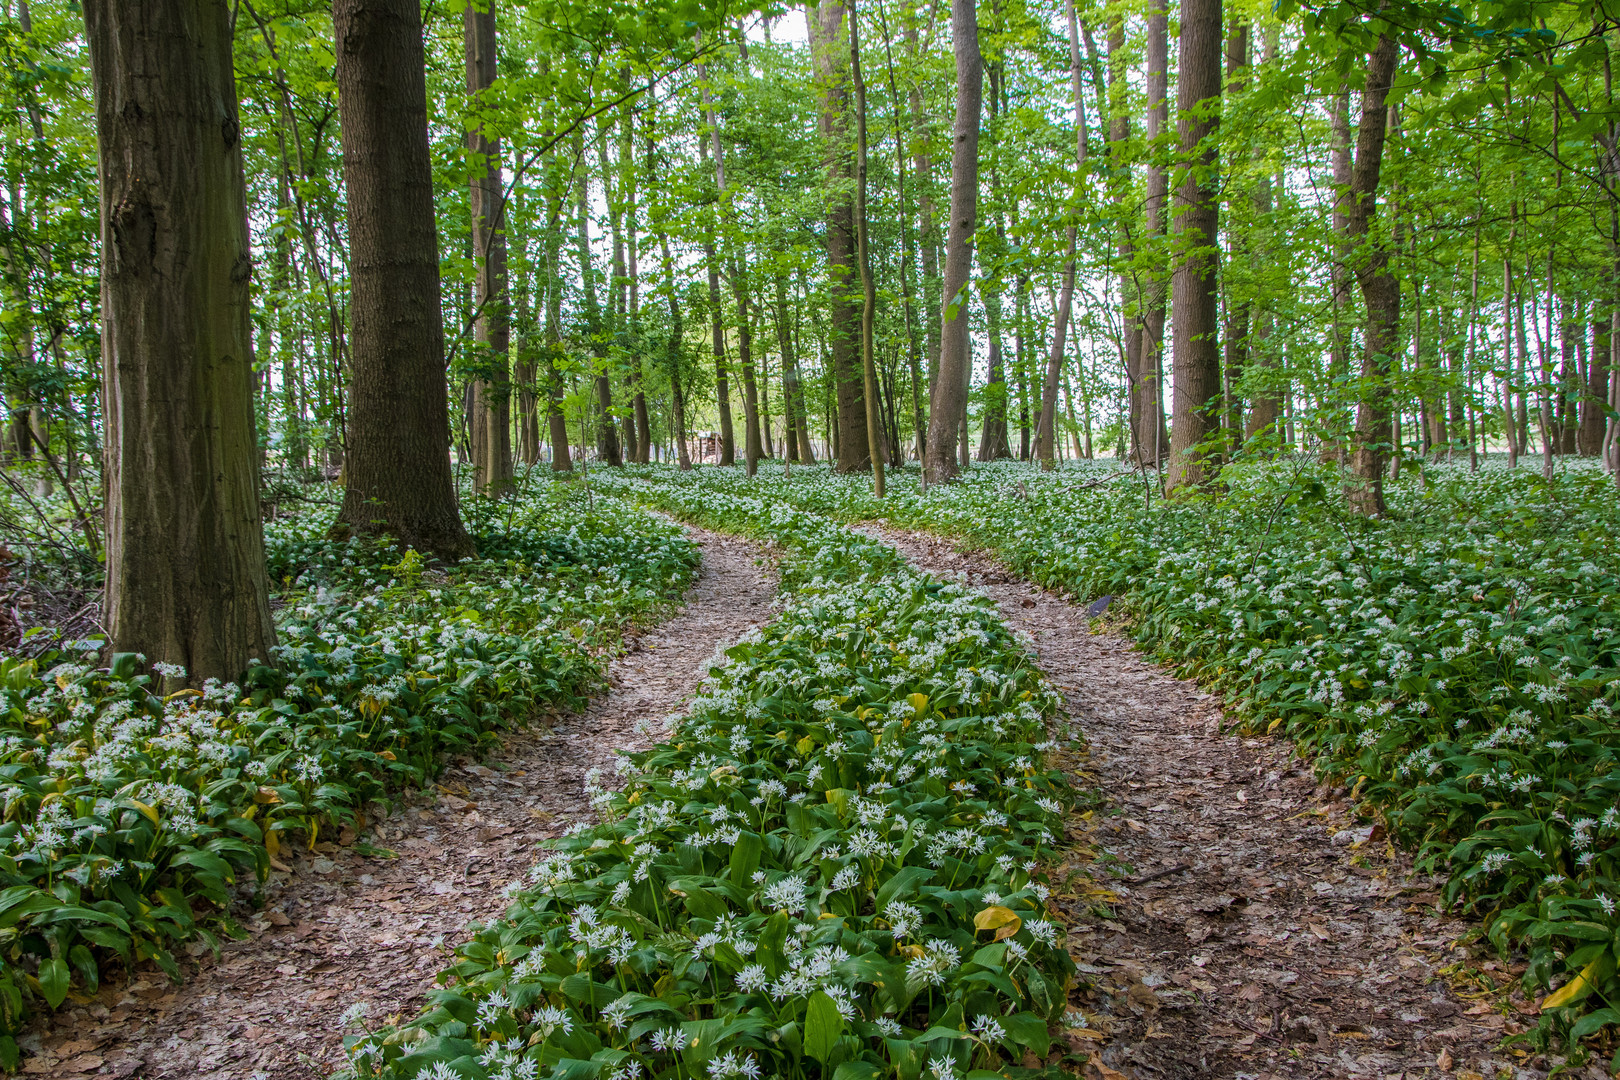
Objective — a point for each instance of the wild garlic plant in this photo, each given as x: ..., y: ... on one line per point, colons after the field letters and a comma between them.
x: 1457, y: 666
x: 133, y: 823
x: 830, y: 865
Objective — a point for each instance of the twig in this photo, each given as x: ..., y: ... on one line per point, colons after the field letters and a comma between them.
x: 1166, y: 872
x: 1257, y: 1031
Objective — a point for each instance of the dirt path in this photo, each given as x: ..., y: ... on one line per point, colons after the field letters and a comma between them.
x: 343, y: 929
x: 1256, y: 932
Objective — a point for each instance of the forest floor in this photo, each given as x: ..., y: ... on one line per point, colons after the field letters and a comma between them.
x: 370, y: 923
x: 1232, y: 917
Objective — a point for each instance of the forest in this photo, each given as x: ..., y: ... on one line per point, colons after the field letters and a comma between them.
x: 940, y: 539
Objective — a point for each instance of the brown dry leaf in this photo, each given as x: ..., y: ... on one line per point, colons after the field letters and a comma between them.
x: 1096, y: 1070
x: 1443, y: 1060
x: 1140, y: 993
x: 1250, y: 992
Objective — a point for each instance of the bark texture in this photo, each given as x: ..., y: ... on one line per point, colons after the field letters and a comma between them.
x: 1371, y: 441
x: 185, y: 550
x: 491, y: 420
x: 1197, y: 380
x: 831, y: 53
x: 397, y: 474
x: 947, y: 408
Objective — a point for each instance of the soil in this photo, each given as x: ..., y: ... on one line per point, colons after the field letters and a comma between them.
x: 369, y: 921
x: 1230, y: 916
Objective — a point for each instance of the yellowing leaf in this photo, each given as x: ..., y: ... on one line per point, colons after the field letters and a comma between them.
x: 804, y: 746
x: 919, y: 702
x: 151, y: 814
x: 388, y: 755
x: 266, y: 795
x: 1274, y: 725
x: 272, y: 843
x: 1004, y: 921
x: 1576, y: 989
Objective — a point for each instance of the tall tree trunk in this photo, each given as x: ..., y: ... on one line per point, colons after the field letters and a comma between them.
x: 908, y: 259
x: 1339, y: 276
x: 1238, y: 306
x: 677, y: 396
x: 1122, y: 196
x: 738, y: 272
x: 948, y: 406
x: 927, y: 233
x: 1589, y: 435
x: 1193, y: 286
x: 397, y: 472
x: 863, y: 258
x: 526, y: 303
x: 1380, y: 290
x: 827, y: 30
x: 1045, y: 427
x: 1153, y: 438
x: 556, y: 422
x: 993, y: 430
x: 491, y: 420
x: 711, y: 260
x: 607, y: 433
x: 185, y: 580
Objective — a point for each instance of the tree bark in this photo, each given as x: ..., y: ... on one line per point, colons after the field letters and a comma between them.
x: 1380, y: 290
x: 184, y: 544
x: 827, y: 29
x: 1197, y: 356
x: 863, y: 255
x: 491, y: 420
x: 1238, y: 305
x: 1153, y: 437
x: 927, y: 233
x: 1339, y: 275
x: 677, y: 396
x: 397, y: 473
x: 947, y: 407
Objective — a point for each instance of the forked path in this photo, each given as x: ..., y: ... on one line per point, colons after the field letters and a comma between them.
x: 1252, y: 931
x: 344, y: 929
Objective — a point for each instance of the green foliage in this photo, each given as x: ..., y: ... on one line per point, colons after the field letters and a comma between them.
x: 790, y: 884
x: 1458, y: 664
x: 133, y: 822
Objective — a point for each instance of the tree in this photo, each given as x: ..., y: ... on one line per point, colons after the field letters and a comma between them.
x: 184, y: 544
x: 1194, y: 305
x: 826, y: 21
x: 863, y: 256
x: 955, y: 356
x: 491, y: 419
x: 397, y: 477
x: 1380, y: 290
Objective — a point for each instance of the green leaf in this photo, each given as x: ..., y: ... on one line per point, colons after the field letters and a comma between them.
x: 1027, y: 1029
x: 53, y: 980
x: 745, y: 859
x: 823, y: 1024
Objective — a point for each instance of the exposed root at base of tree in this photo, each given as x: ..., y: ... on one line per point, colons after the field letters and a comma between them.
x: 1230, y: 917
x: 369, y: 920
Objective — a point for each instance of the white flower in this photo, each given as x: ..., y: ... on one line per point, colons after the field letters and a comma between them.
x: 988, y: 1028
